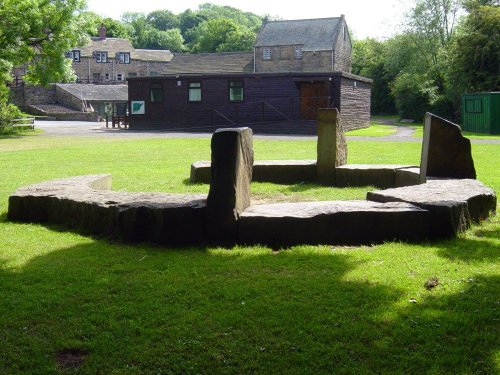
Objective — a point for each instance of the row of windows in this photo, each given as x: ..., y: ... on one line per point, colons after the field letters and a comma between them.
x: 195, y: 92
x: 100, y: 56
x: 267, y: 52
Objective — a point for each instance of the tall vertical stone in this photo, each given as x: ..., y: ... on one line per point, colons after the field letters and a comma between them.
x: 446, y: 153
x: 231, y: 176
x: 332, y: 146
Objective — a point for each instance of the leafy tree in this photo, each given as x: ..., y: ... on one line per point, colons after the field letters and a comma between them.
x: 475, y: 53
x: 39, y: 32
x: 222, y: 34
x: 163, y: 20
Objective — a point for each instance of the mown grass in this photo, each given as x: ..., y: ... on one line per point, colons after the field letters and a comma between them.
x: 142, y: 309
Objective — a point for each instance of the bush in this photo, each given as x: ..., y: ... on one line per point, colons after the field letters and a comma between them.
x: 9, y: 112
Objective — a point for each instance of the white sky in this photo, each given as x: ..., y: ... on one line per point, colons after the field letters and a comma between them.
x: 366, y: 18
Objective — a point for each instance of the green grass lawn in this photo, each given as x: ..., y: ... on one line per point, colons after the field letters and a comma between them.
x: 143, y: 309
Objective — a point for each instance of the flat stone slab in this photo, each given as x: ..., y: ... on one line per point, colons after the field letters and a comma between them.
x: 407, y: 177
x: 453, y: 204
x: 84, y: 202
x: 332, y: 222
x: 379, y: 175
x: 277, y: 171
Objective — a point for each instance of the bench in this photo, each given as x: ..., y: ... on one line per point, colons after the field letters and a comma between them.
x: 27, y: 123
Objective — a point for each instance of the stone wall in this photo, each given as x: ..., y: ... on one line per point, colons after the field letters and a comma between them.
x: 355, y: 103
x: 343, y: 51
x: 281, y: 61
x: 87, y: 67
x: 67, y: 99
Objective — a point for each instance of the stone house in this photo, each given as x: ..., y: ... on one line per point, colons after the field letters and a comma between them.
x: 113, y: 60
x: 314, y: 45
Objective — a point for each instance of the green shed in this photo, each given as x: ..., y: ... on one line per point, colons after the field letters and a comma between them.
x: 481, y: 112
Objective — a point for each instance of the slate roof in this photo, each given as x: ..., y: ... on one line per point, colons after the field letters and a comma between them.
x: 96, y: 92
x: 114, y: 45
x: 205, y: 63
x: 314, y: 34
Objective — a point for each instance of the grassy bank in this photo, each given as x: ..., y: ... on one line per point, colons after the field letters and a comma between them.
x: 99, y: 306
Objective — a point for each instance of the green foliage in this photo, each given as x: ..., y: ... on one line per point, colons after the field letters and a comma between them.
x: 475, y: 52
x: 163, y: 20
x: 39, y: 32
x: 222, y: 35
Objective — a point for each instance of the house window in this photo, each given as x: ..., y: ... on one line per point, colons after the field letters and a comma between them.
x: 156, y: 92
x: 154, y: 74
x: 74, y: 55
x: 119, y: 76
x: 298, y: 52
x: 106, y: 77
x: 132, y: 74
x: 96, y: 77
x: 267, y: 53
x: 124, y: 57
x: 236, y: 91
x: 195, y: 91
x: 101, y: 57
x: 473, y: 105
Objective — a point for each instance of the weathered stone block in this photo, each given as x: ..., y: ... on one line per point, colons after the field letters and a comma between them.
x: 379, y: 175
x: 75, y: 203
x: 229, y: 194
x: 407, y: 176
x: 453, y: 204
x: 277, y: 171
x: 284, y: 171
x: 336, y: 222
x: 200, y: 172
x: 331, y: 146
x: 446, y: 153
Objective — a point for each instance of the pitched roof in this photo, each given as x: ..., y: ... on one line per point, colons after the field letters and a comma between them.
x: 115, y: 45
x: 315, y: 34
x: 221, y: 62
x: 91, y: 92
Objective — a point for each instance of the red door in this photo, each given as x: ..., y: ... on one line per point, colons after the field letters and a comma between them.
x: 313, y: 96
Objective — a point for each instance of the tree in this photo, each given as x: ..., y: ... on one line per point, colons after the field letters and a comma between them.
x: 475, y: 52
x: 217, y: 35
x: 39, y: 32
x: 163, y: 20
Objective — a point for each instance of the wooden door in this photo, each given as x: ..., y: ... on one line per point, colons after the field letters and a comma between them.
x: 313, y: 96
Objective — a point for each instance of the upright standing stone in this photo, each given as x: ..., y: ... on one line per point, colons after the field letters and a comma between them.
x: 231, y: 176
x: 445, y: 151
x: 332, y: 147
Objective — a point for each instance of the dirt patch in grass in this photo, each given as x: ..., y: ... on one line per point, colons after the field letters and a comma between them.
x: 70, y: 358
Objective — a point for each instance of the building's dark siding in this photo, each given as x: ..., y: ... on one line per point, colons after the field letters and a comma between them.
x: 267, y: 98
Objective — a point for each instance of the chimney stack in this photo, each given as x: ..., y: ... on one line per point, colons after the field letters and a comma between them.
x: 102, y: 32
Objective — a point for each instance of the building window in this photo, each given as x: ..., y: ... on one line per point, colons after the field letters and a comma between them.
x: 473, y: 105
x: 96, y: 77
x: 132, y: 74
x: 156, y: 92
x: 154, y: 74
x: 195, y: 91
x: 267, y: 53
x: 119, y: 76
x: 106, y: 77
x: 236, y: 91
x: 298, y: 52
x: 124, y: 57
x: 74, y: 55
x: 101, y: 57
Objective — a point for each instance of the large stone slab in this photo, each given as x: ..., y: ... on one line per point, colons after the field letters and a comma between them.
x: 453, y: 204
x: 379, y: 175
x: 276, y: 171
x: 446, y: 153
x: 331, y: 146
x: 335, y: 222
x: 85, y: 203
x: 231, y: 177
x: 407, y: 176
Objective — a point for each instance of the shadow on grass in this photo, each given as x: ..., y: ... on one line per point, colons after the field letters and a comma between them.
x: 134, y: 308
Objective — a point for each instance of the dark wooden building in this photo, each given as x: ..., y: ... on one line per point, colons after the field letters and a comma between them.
x: 266, y: 102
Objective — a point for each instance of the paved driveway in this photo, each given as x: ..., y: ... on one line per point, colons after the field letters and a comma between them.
x: 94, y: 129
